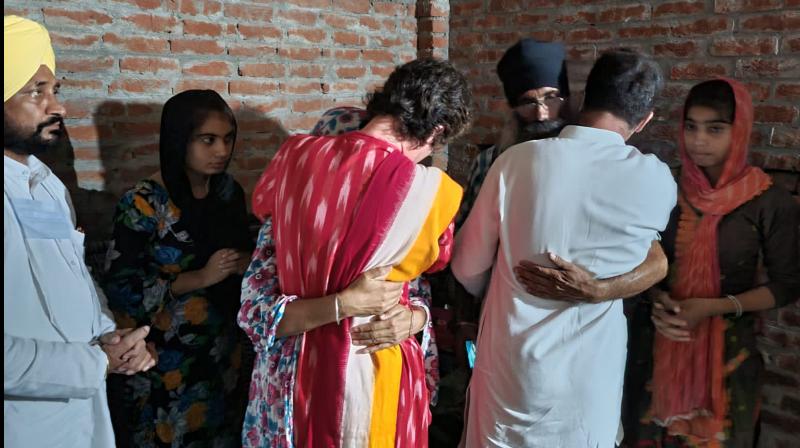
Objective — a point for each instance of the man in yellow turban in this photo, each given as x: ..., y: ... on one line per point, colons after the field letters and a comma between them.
x: 58, y: 342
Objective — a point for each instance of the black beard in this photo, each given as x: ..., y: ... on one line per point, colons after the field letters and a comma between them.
x: 14, y: 140
x: 538, y: 130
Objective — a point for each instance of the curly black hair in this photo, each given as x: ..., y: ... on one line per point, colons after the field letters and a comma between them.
x: 424, y: 94
x: 715, y: 94
x: 624, y: 83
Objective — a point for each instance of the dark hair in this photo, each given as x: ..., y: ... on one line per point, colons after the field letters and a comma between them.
x: 624, y: 83
x: 182, y: 115
x: 424, y: 94
x: 715, y: 94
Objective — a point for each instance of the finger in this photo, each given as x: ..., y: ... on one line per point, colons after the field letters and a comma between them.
x: 537, y: 273
x: 136, y: 335
x: 666, y: 328
x: 670, y: 319
x: 560, y: 262
x: 110, y: 338
x: 392, y: 312
x: 135, y: 351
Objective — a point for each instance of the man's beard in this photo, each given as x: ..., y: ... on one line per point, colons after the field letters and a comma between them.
x: 34, y: 143
x: 537, y: 130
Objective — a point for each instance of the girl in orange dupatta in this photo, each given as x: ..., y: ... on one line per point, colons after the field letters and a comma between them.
x: 706, y: 368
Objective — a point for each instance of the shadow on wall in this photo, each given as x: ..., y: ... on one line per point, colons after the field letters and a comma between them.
x: 126, y: 151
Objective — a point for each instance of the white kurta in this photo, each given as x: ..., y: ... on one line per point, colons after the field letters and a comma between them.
x: 54, y: 391
x: 549, y: 373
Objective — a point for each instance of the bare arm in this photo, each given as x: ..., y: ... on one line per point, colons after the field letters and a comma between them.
x: 568, y: 281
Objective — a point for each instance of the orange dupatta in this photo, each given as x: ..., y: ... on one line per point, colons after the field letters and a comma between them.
x: 689, y: 396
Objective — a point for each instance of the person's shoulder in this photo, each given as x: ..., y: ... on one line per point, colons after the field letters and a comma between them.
x: 776, y: 197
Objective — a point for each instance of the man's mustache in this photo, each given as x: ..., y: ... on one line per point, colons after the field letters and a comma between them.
x: 49, y: 122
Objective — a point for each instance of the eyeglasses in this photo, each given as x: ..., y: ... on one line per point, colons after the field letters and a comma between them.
x: 548, y: 102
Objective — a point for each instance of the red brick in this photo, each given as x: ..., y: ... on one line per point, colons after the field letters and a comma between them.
x: 785, y: 138
x: 248, y: 12
x: 312, y: 3
x: 387, y: 42
x: 337, y: 21
x: 428, y: 41
x: 212, y: 68
x: 196, y: 46
x: 302, y: 87
x: 81, y: 42
x: 791, y: 45
x: 531, y: 19
x: 679, y: 8
x: 150, y: 22
x: 775, y: 114
x: 466, y: 8
x: 300, y: 54
x: 378, y: 55
x: 197, y: 28
x: 262, y: 70
x: 307, y: 105
x: 251, y: 50
x: 308, y: 71
x: 196, y: 7
x: 468, y: 40
x: 778, y: 68
x: 344, y: 87
x: 488, y: 22
x: 351, y: 72
x: 301, y: 122
x: 219, y: 86
x: 139, y: 85
x: 788, y: 91
x: 758, y: 91
x: 696, y: 70
x: 68, y: 84
x: 267, y: 106
x: 148, y: 65
x: 349, y: 38
x: 314, y: 35
x: 389, y: 9
x: 429, y: 25
x: 643, y: 31
x: 83, y: 17
x: 504, y: 38
x: 786, y: 21
x: 725, y: 6
x: 137, y: 44
x: 348, y: 55
x: 354, y: 6
x: 578, y: 53
x: 259, y: 31
x: 677, y: 49
x: 615, y: 14
x: 88, y: 132
x: 138, y: 110
x: 382, y: 71
x: 79, y: 65
x: 703, y: 27
x: 587, y: 35
x: 242, y: 87
x: 370, y: 23
x: 136, y: 129
x: 142, y: 4
x: 735, y: 46
x: 301, y: 17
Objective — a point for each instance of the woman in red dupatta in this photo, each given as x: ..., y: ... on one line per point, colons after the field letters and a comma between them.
x: 706, y: 367
x: 348, y: 373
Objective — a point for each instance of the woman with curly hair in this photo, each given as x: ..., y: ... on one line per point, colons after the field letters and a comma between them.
x: 336, y: 366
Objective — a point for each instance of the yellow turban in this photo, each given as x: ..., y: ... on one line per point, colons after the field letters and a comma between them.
x: 26, y: 47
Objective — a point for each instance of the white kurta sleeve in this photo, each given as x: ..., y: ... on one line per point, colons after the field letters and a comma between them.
x: 476, y: 243
x: 52, y: 370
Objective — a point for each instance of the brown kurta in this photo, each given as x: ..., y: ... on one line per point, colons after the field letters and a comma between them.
x: 768, y: 226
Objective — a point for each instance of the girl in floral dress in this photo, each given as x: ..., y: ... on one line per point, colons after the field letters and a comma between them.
x: 180, y: 245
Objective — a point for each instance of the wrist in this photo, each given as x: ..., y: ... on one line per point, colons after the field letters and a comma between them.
x: 600, y: 291
x: 420, y: 318
x: 718, y: 307
x: 341, y: 300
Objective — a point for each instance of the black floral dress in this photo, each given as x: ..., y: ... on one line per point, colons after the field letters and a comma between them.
x: 196, y: 395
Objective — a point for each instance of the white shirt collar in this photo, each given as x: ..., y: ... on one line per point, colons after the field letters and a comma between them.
x: 593, y: 134
x: 34, y: 173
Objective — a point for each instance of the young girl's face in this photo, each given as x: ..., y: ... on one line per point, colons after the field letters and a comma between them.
x: 210, y: 146
x: 707, y: 137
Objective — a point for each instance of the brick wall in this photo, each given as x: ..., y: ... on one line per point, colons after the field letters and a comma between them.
x: 278, y: 64
x: 756, y: 41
